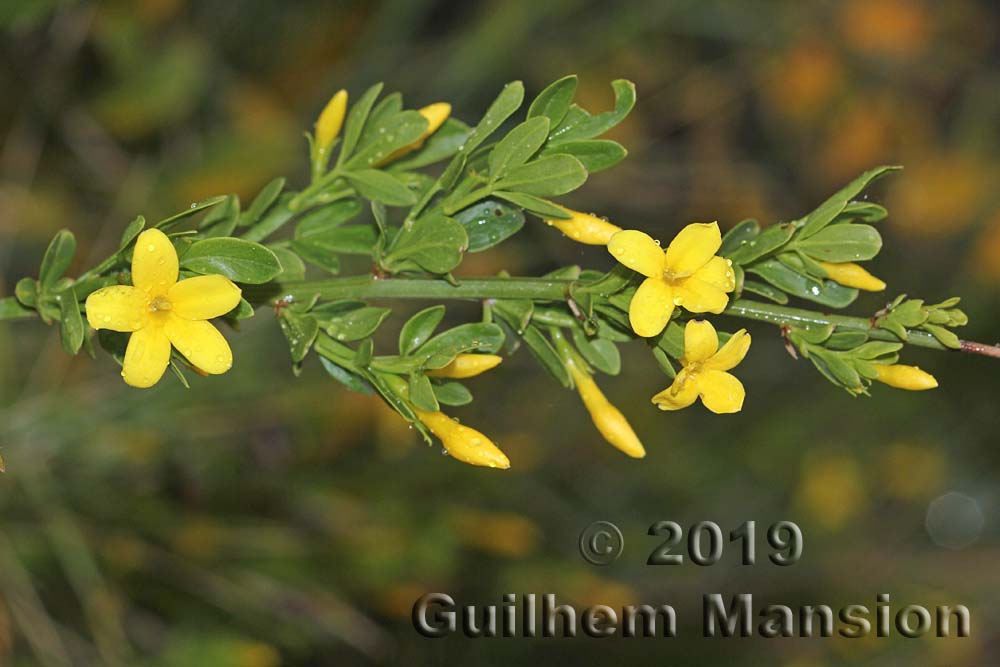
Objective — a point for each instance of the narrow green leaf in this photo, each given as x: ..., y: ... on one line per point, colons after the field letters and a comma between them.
x: 356, y: 324
x: 505, y: 104
x: 421, y: 393
x: 443, y: 144
x: 318, y: 254
x: 434, y: 243
x: 300, y: 331
x: 553, y: 102
x: 355, y: 122
x: 594, y: 154
x: 177, y: 218
x: 518, y: 146
x: 833, y: 206
x: 57, y: 258
x: 239, y: 260
x: 842, y: 243
x: 766, y: 291
x: 419, y: 328
x: 753, y: 248
x: 133, y: 230
x: 381, y: 186
x: 546, y: 177
x: 397, y: 131
x: 601, y: 354
x: 741, y: 233
x: 825, y: 292
x: 442, y: 349
x: 489, y: 222
x: 586, y: 126
x: 263, y: 201
x: 543, y: 208
x: 292, y: 267
x: 345, y: 377
x: 452, y: 393
x: 350, y: 240
x: 324, y: 218
x: 12, y: 309
x: 546, y: 355
x: 71, y: 323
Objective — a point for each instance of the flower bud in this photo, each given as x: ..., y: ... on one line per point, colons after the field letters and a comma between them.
x: 905, y: 377
x: 607, y: 418
x: 467, y: 366
x: 853, y: 275
x: 464, y: 443
x: 330, y: 120
x: 584, y: 227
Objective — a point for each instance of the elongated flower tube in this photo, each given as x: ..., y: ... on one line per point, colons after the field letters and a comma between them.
x: 905, y: 377
x: 705, y: 369
x: 462, y: 442
x: 436, y: 114
x: 687, y: 274
x: 853, y: 275
x: 330, y: 121
x: 467, y: 366
x: 159, y: 312
x: 584, y: 227
x: 608, y: 419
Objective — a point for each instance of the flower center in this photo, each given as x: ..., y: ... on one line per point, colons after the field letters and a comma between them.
x: 160, y: 303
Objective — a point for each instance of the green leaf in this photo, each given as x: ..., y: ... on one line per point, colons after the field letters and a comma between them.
x: 846, y: 340
x: 842, y: 243
x: 345, y: 377
x: 769, y: 240
x: 26, y: 291
x: 553, y: 102
x: 292, y: 267
x: 381, y: 186
x: 177, y: 218
x: 865, y: 211
x: 836, y: 369
x: 356, y: 324
x: 594, y: 154
x: 663, y: 361
x: 517, y: 312
x: 273, y: 219
x: 237, y: 259
x: 599, y: 353
x: 57, y: 258
x: 944, y: 336
x: 434, y: 243
x: 421, y: 393
x: 12, y: 309
x: 582, y: 125
x: 397, y: 131
x: 546, y: 177
x: 419, y: 328
x: 446, y: 141
x: 321, y: 220
x: 267, y: 196
x: 133, y: 230
x: 452, y: 393
x: 541, y: 207
x: 300, y: 330
x: 505, y: 104
x: 825, y: 292
x: 734, y: 238
x: 518, y: 146
x: 355, y: 122
x: 442, y: 349
x: 766, y: 291
x: 318, y: 254
x: 835, y: 205
x: 875, y: 349
x: 71, y: 323
x: 222, y: 219
x: 546, y: 355
x: 488, y: 223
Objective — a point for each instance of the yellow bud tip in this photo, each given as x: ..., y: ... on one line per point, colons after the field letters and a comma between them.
x: 330, y: 120
x: 608, y: 419
x: 853, y: 275
x: 584, y: 227
x: 467, y: 366
x: 462, y: 442
x: 910, y: 378
x: 436, y: 114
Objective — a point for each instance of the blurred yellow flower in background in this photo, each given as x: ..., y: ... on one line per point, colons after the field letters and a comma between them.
x: 704, y: 374
x: 911, y: 471
x: 898, y: 28
x: 831, y: 490
x: 687, y: 274
x: 159, y: 312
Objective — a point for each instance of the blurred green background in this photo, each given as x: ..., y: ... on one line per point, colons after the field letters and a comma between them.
x: 258, y: 519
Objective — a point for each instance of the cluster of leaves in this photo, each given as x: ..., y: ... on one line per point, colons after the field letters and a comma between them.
x: 937, y: 319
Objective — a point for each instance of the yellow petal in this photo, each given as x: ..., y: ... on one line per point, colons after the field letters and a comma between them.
x: 905, y: 377
x: 467, y: 366
x: 679, y: 395
x: 721, y: 392
x: 651, y: 307
x: 585, y: 228
x: 700, y: 341
x: 200, y: 343
x: 854, y: 275
x: 693, y: 247
x: 154, y: 262
x: 698, y: 296
x: 146, y: 357
x: 608, y: 419
x: 718, y: 272
x: 638, y: 251
x: 732, y: 352
x: 330, y: 120
x: 204, y: 297
x: 117, y: 307
x: 462, y: 442
x: 436, y: 114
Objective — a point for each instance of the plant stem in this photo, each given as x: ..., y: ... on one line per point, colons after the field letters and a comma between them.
x: 542, y: 289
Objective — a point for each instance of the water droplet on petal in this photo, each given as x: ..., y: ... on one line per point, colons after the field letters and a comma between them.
x: 107, y: 318
x: 151, y: 248
x: 677, y: 300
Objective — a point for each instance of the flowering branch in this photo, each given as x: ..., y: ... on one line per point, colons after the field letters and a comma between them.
x: 410, y: 193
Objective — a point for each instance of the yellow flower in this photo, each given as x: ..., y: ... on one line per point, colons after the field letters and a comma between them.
x: 905, y: 377
x: 704, y: 374
x: 464, y: 443
x: 159, y: 311
x: 854, y: 275
x: 436, y: 114
x: 687, y: 274
x: 330, y: 120
x: 467, y: 366
x: 607, y: 418
x: 584, y: 227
